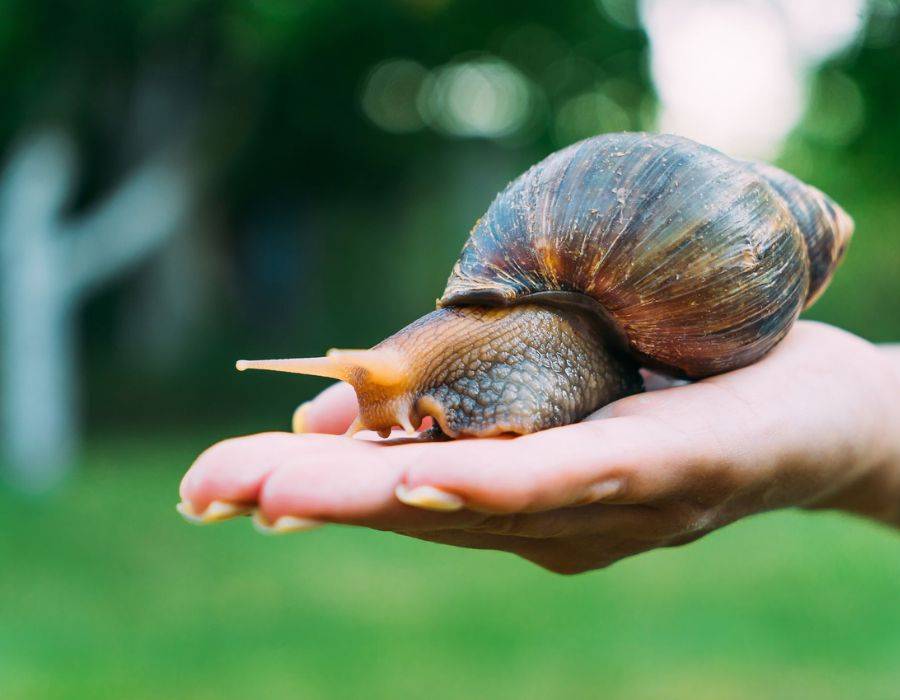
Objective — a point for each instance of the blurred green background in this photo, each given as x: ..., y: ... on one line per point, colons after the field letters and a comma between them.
x: 322, y: 162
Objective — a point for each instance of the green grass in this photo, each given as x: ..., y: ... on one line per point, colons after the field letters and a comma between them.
x: 106, y: 593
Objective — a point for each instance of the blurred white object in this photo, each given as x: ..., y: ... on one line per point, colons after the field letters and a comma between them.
x: 48, y: 265
x: 733, y: 73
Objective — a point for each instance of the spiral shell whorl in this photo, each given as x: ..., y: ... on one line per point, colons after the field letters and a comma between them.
x: 825, y: 226
x: 696, y: 258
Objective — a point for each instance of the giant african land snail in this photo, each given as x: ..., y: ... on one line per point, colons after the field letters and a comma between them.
x: 621, y: 251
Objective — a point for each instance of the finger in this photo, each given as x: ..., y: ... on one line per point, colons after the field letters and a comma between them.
x: 621, y: 460
x: 351, y: 483
x: 332, y: 411
x: 344, y: 480
x: 232, y: 471
x: 319, y: 477
x: 361, y: 491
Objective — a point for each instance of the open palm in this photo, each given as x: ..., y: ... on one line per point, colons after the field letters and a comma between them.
x: 814, y: 423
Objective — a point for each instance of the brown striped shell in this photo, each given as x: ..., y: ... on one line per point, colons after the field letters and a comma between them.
x: 697, y: 262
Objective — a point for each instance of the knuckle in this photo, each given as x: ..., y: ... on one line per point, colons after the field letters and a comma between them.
x: 273, y: 489
x: 690, y: 517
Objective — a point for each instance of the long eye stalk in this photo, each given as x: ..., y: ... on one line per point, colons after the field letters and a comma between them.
x: 382, y: 366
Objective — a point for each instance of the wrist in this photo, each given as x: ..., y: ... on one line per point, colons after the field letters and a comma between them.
x: 875, y: 492
x: 875, y: 495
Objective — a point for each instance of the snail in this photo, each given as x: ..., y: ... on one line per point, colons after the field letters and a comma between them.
x: 622, y: 251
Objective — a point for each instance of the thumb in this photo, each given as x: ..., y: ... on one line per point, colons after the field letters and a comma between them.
x: 331, y: 412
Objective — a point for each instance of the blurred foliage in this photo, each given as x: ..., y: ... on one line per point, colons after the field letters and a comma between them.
x: 330, y: 231
x: 280, y: 77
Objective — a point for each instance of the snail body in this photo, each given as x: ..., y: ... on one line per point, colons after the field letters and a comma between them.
x: 621, y: 251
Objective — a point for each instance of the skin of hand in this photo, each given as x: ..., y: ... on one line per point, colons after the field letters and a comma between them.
x: 816, y: 424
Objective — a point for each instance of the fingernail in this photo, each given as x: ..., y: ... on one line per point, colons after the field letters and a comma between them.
x: 604, y: 489
x: 215, y: 512
x: 186, y: 510
x: 429, y: 498
x: 298, y: 422
x: 284, y: 524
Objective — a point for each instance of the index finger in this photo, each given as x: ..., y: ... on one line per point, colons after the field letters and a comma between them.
x: 332, y: 411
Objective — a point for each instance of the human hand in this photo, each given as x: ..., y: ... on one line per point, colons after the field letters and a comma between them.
x: 815, y: 423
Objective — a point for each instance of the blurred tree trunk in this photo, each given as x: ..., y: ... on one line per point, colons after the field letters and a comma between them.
x: 47, y: 267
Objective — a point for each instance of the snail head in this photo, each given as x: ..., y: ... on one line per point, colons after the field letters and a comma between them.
x: 477, y: 371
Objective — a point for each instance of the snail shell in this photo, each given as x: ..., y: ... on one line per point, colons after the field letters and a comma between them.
x: 697, y: 262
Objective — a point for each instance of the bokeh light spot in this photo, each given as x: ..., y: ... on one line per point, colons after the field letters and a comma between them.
x: 836, y: 110
x: 621, y: 12
x: 483, y: 97
x: 389, y: 95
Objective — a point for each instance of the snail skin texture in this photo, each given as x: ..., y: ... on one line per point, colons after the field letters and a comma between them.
x: 621, y: 251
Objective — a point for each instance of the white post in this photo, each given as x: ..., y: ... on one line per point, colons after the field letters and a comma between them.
x: 36, y: 356
x: 47, y: 266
